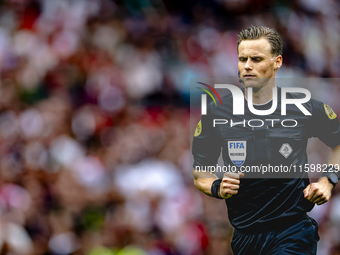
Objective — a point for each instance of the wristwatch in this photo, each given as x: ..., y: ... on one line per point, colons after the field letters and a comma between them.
x: 332, y: 178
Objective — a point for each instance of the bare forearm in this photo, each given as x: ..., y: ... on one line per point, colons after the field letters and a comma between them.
x: 228, y: 186
x: 334, y: 158
x: 203, y: 181
x: 321, y: 191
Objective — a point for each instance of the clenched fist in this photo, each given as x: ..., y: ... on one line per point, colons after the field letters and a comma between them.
x: 230, y: 184
x: 319, y: 192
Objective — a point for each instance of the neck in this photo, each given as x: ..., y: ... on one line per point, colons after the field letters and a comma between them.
x: 261, y: 95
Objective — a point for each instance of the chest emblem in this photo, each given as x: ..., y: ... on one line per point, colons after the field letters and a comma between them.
x: 237, y: 152
x: 286, y: 150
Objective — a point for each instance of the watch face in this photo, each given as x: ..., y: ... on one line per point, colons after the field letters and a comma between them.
x: 333, y: 178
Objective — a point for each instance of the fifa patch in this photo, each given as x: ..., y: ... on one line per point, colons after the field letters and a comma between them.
x: 330, y: 113
x: 198, y: 129
x: 237, y: 152
x: 286, y: 150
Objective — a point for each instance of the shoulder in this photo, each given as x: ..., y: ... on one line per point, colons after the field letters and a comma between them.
x: 323, y: 110
x: 223, y: 107
x: 313, y: 105
x: 227, y: 99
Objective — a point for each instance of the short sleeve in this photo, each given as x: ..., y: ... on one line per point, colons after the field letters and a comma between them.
x: 206, y: 147
x: 325, y: 124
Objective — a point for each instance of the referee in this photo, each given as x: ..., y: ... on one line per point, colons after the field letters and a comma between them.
x: 268, y: 214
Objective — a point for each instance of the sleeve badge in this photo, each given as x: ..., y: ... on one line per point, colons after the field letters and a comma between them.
x: 198, y: 129
x: 330, y: 113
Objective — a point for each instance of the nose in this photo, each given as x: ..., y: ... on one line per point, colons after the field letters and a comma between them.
x: 248, y: 65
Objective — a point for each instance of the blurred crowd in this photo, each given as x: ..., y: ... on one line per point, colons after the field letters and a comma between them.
x: 95, y: 120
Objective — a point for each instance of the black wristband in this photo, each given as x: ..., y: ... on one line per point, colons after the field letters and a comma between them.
x: 215, y: 187
x: 331, y: 172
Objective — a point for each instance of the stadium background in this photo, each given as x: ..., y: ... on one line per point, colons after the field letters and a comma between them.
x: 95, y: 124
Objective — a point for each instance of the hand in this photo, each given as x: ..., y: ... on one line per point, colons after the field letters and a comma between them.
x: 230, y: 184
x: 319, y: 192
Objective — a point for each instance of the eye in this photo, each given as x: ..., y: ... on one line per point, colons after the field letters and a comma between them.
x: 256, y: 59
x: 242, y: 59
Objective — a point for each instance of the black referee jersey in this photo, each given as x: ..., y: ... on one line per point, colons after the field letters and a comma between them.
x: 265, y: 204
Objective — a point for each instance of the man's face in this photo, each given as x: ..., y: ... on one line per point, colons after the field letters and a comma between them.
x: 256, y: 64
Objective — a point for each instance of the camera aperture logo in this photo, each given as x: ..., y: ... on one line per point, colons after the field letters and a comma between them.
x: 238, y: 106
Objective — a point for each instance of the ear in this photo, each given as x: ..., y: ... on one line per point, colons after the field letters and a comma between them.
x: 277, y: 62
